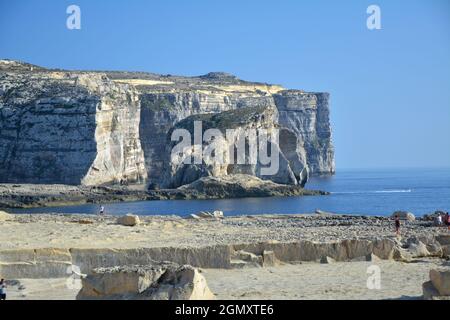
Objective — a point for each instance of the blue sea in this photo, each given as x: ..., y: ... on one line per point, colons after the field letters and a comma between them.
x: 368, y: 192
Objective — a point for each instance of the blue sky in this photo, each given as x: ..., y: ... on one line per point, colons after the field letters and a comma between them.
x: 390, y: 88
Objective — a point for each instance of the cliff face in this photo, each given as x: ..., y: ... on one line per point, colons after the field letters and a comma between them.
x: 70, y: 128
x: 103, y: 127
x: 249, y: 127
x: 161, y: 111
x: 307, y: 115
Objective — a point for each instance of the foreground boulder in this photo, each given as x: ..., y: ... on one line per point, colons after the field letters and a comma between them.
x: 157, y: 281
x: 418, y: 249
x: 128, y: 220
x: 423, y: 246
x: 441, y: 281
x: 438, y: 288
x: 404, y: 215
x: 183, y: 283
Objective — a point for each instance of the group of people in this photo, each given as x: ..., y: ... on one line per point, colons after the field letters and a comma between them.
x: 441, y: 219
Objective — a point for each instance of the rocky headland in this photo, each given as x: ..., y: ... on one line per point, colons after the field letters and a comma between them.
x: 109, y: 129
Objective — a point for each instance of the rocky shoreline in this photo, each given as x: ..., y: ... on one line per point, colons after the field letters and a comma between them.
x: 50, y: 195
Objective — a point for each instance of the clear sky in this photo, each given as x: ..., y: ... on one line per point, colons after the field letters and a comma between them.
x: 390, y: 88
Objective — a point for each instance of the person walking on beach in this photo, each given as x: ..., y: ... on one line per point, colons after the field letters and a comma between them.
x: 397, y: 225
x: 2, y: 289
x: 102, y: 211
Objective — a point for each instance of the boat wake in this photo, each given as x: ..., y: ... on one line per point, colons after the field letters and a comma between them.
x: 395, y: 191
x: 375, y: 191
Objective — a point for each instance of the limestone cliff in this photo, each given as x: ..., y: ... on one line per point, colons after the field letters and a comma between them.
x: 247, y: 125
x: 92, y: 128
x: 72, y: 128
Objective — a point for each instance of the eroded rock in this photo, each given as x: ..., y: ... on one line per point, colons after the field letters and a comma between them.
x: 441, y: 281
x: 438, y: 288
x: 184, y: 283
x: 418, y: 250
x: 242, y: 258
x: 269, y: 259
x: 129, y: 220
x: 429, y: 291
x: 242, y: 185
x: 404, y: 215
x: 158, y: 281
x: 402, y: 255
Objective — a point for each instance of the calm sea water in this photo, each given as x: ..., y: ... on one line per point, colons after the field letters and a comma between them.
x: 369, y: 192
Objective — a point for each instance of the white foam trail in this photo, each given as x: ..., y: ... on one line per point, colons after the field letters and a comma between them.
x: 376, y: 191
x: 394, y: 191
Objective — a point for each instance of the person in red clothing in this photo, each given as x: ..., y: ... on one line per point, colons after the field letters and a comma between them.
x: 447, y: 220
x: 397, y: 225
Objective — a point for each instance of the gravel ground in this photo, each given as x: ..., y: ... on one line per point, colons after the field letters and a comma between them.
x: 88, y: 231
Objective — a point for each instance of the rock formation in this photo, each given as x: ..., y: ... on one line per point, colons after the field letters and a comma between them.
x: 128, y: 220
x: 157, y: 281
x: 404, y: 215
x: 242, y: 185
x: 438, y: 288
x: 71, y: 128
x: 93, y: 128
x: 54, y: 262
